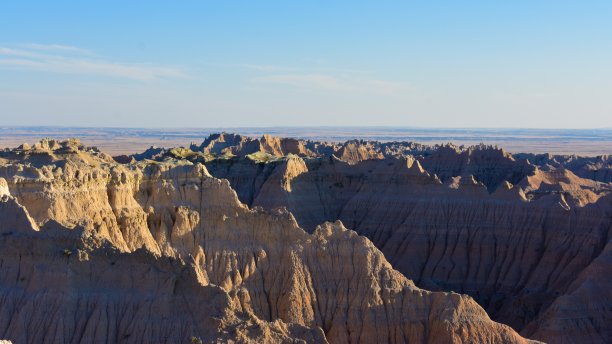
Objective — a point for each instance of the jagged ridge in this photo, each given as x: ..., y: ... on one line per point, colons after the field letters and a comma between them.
x: 265, y: 264
x: 511, y: 233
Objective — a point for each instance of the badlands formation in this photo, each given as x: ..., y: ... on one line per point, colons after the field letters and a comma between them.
x: 270, y: 239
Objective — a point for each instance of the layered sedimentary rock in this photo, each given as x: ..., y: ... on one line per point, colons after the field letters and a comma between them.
x: 446, y: 160
x: 513, y: 234
x: 240, y: 145
x: 490, y: 166
x: 164, y: 252
x: 70, y: 286
x: 597, y: 168
x: 584, y: 310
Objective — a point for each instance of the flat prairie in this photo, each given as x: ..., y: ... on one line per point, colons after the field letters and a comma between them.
x: 117, y: 141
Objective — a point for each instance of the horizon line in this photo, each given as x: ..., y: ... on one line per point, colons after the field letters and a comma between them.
x: 304, y: 127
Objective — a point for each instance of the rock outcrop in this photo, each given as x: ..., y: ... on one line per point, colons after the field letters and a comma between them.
x: 584, y: 312
x: 165, y: 252
x: 515, y: 235
x: 597, y: 168
x: 71, y: 286
x: 223, y: 144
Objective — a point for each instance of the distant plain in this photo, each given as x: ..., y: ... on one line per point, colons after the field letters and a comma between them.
x: 116, y: 141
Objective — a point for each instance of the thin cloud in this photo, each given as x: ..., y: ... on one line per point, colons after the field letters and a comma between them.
x: 73, y: 60
x: 20, y: 63
x: 18, y: 53
x: 57, y: 48
x: 317, y: 81
x: 267, y: 68
x: 311, y: 70
x: 327, y: 82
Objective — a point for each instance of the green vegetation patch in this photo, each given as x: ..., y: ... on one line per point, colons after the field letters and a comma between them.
x: 262, y: 157
x: 181, y: 153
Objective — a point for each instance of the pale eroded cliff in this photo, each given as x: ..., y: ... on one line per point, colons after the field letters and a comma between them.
x: 163, y: 252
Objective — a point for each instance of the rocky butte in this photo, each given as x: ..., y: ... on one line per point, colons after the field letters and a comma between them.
x: 269, y: 239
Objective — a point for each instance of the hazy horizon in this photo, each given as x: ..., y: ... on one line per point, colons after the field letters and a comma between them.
x: 305, y: 126
x: 116, y: 141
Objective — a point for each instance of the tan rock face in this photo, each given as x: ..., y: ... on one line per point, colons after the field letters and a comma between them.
x: 64, y: 285
x: 517, y: 247
x: 222, y: 144
x: 276, y: 270
x: 95, y: 197
x: 597, y: 168
x: 514, y: 256
x: 355, y: 151
x: 210, y: 267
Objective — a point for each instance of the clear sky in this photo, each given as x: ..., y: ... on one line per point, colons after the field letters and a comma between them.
x: 540, y: 64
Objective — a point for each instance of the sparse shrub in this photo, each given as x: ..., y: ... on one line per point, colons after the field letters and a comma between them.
x: 196, y: 340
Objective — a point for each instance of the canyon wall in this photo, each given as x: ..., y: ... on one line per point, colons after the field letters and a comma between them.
x: 516, y: 236
x: 163, y: 251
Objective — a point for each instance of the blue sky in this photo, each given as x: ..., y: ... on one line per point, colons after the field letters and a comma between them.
x: 544, y: 64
